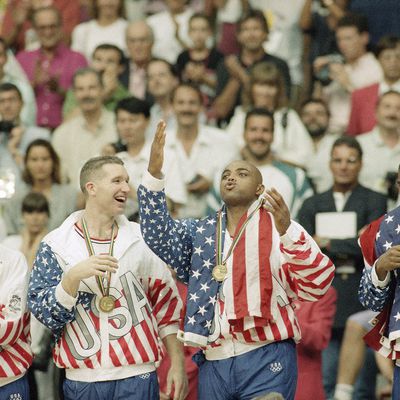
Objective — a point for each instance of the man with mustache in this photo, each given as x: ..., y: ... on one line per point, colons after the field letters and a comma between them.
x: 291, y: 182
x: 244, y: 266
x: 201, y: 151
x: 315, y: 115
x: 84, y: 136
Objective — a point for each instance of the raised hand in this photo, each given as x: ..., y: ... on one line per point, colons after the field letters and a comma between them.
x: 275, y: 204
x: 156, y: 159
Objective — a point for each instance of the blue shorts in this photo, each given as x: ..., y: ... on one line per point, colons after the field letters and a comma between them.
x: 271, y: 368
x: 18, y: 389
x: 140, y: 387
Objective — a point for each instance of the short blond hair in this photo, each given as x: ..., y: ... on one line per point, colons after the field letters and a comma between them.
x: 93, y: 166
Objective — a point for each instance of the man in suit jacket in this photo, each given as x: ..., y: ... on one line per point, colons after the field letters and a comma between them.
x: 346, y: 195
x: 139, y: 41
x: 364, y: 100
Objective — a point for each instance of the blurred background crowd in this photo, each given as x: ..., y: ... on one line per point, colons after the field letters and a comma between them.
x: 307, y: 90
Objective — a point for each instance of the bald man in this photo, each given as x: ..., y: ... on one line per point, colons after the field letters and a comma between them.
x: 244, y: 266
x: 139, y: 41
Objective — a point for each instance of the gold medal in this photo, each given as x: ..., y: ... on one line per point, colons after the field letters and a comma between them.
x: 219, y: 272
x: 107, y: 303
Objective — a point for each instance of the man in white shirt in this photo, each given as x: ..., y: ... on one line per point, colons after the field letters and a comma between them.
x: 201, y: 151
x: 132, y: 120
x: 364, y: 100
x: 170, y: 29
x: 84, y: 136
x: 360, y: 68
x: 162, y: 79
x: 314, y: 114
x: 381, y: 146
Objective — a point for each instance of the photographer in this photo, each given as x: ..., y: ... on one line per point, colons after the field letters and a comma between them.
x: 14, y: 135
x: 357, y: 69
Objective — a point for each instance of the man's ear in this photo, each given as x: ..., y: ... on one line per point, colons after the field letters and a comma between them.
x: 260, y: 189
x: 90, y: 188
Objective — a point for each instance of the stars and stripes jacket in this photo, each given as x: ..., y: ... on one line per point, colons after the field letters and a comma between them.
x: 382, y: 296
x: 299, y: 269
x: 90, y: 344
x: 15, y: 350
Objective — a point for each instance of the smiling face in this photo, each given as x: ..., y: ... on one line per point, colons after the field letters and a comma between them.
x: 258, y: 136
x: 108, y: 189
x: 315, y: 118
x: 47, y: 25
x: 388, y: 112
x: 241, y: 184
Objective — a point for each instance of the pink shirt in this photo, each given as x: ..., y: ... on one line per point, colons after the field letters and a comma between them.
x: 63, y: 65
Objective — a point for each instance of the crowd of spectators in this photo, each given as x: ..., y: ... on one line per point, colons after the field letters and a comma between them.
x: 307, y: 90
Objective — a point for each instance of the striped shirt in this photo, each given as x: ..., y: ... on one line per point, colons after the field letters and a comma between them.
x: 93, y: 345
x: 15, y: 350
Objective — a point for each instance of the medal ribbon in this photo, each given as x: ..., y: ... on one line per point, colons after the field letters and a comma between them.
x: 105, y: 290
x: 235, y: 239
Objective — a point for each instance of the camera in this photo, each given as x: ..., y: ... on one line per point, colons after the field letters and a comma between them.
x: 6, y: 127
x: 391, y: 184
x: 323, y: 74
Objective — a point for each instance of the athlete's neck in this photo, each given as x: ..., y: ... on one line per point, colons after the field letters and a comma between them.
x: 99, y: 225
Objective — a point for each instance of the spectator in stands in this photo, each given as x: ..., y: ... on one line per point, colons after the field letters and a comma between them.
x: 50, y: 68
x: 358, y: 68
x: 84, y: 136
x: 201, y: 151
x: 381, y: 146
x: 132, y: 120
x: 346, y: 204
x: 108, y: 61
x: 232, y: 74
x: 41, y: 174
x: 18, y: 30
x: 226, y: 14
x: 28, y: 112
x: 198, y: 64
x: 266, y: 89
x: 382, y: 17
x: 15, y: 136
x: 318, y: 21
x: 139, y: 41
x: 285, y: 39
x: 107, y: 26
x: 35, y: 215
x: 314, y: 114
x: 364, y: 100
x: 170, y: 28
x: 161, y: 81
x: 289, y: 181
